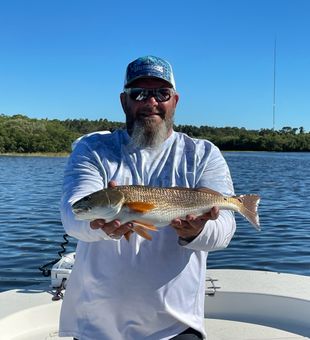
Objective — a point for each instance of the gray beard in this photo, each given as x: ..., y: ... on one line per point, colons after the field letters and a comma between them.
x: 147, y: 134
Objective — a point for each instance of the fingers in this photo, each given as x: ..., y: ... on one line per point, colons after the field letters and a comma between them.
x: 215, y: 212
x: 188, y: 228
x: 192, y: 225
x: 114, y: 229
x: 120, y: 230
x: 112, y: 184
x: 176, y: 223
x: 96, y: 224
x: 111, y: 227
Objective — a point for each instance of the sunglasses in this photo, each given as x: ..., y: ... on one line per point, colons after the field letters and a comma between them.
x: 140, y: 94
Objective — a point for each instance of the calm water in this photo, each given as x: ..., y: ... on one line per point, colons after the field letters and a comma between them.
x: 31, y: 231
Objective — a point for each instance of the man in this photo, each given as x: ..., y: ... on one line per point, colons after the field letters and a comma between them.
x: 142, y: 289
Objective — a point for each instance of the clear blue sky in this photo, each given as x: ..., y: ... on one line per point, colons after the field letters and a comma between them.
x: 66, y: 59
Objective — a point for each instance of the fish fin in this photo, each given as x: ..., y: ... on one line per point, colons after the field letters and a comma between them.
x: 128, y: 234
x: 140, y: 231
x: 141, y: 207
x: 146, y: 225
x: 248, y: 208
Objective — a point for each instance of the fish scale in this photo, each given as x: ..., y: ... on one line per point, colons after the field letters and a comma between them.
x: 173, y: 198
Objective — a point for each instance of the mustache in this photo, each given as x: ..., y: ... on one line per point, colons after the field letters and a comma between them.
x: 150, y: 111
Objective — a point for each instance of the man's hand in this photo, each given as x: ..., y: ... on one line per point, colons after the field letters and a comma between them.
x: 192, y: 226
x: 114, y: 229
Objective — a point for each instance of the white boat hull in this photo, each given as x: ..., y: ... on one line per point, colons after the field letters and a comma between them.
x: 249, y: 305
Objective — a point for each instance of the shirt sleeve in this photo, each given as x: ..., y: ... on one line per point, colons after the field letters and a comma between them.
x: 216, y: 234
x: 83, y: 175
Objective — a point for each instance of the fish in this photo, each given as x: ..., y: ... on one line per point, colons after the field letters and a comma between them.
x: 151, y: 207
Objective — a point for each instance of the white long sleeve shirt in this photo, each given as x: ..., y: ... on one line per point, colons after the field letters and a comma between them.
x: 140, y: 289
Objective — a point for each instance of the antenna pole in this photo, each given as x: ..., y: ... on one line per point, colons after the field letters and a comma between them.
x: 274, y: 85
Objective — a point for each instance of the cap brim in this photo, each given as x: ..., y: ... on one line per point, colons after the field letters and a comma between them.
x: 147, y: 77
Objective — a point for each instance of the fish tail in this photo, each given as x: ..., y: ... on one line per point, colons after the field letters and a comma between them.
x: 248, y: 208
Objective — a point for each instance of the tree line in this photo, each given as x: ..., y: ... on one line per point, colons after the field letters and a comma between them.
x: 21, y: 134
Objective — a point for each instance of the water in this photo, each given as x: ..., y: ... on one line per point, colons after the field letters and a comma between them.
x: 283, y: 182
x: 31, y: 231
x: 30, y: 227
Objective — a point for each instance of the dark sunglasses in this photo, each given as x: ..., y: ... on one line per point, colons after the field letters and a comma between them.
x: 140, y: 94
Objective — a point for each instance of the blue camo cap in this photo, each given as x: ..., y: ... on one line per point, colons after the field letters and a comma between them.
x: 149, y: 67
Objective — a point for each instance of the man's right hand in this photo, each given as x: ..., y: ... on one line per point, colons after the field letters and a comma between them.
x: 113, y: 229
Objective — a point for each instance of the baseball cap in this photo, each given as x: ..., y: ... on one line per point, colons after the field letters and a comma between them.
x: 149, y: 67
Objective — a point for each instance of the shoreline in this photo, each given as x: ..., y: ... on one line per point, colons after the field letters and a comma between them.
x: 67, y: 154
x: 35, y: 154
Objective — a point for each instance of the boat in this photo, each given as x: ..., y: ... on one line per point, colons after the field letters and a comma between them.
x: 239, y: 305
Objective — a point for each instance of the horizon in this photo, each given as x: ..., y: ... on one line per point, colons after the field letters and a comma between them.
x: 175, y: 124
x: 67, y: 60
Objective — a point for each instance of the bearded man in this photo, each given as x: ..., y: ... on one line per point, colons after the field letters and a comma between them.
x: 140, y: 289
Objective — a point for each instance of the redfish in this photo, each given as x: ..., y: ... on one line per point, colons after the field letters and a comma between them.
x: 151, y: 207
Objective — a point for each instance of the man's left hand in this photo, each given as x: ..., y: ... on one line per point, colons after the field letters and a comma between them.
x: 190, y: 227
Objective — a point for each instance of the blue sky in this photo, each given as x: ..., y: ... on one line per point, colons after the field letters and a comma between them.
x: 66, y: 59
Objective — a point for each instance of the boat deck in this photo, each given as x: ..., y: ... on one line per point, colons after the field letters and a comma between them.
x: 249, y: 305
x: 276, y: 300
